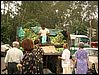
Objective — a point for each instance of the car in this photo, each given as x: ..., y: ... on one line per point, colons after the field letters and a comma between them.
x: 93, y: 57
x: 4, y: 48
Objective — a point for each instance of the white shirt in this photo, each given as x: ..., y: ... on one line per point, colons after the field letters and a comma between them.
x: 66, y: 56
x: 13, y: 55
x: 44, y: 32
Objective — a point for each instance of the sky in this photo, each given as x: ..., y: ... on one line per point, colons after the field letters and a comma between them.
x: 12, y: 7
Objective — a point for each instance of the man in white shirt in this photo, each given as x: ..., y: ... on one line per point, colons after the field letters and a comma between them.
x: 13, y: 57
x: 65, y: 59
x: 43, y: 34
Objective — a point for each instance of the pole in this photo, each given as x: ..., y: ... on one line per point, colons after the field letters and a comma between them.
x: 68, y: 38
x: 90, y: 32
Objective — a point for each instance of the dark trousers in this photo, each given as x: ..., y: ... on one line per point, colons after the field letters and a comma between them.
x: 12, y: 68
x: 40, y: 68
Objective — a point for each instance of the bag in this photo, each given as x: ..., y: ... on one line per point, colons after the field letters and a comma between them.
x: 44, y: 39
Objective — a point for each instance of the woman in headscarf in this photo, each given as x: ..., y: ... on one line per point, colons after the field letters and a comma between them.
x: 81, y: 60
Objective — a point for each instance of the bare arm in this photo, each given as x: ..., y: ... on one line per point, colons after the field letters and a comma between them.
x: 39, y: 33
x: 60, y: 58
x: 47, y: 33
x: 6, y: 59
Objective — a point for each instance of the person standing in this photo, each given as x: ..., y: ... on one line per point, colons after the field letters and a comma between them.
x: 32, y: 60
x: 39, y: 56
x: 65, y: 59
x: 81, y: 56
x: 43, y: 34
x: 27, y: 64
x: 12, y: 58
x: 66, y: 37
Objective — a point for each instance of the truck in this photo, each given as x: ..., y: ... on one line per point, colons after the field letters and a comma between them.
x: 76, y: 39
x: 55, y: 48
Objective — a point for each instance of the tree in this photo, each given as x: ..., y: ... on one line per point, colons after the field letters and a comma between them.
x: 8, y: 26
x: 53, y: 13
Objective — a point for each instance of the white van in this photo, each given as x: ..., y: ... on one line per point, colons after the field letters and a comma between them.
x: 75, y: 39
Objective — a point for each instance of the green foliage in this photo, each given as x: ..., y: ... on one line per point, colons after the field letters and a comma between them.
x: 35, y: 29
x: 60, y: 49
x: 57, y: 39
x: 29, y: 34
x: 31, y: 23
x: 81, y: 29
x: 36, y: 13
